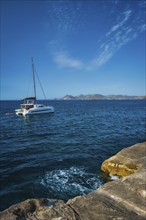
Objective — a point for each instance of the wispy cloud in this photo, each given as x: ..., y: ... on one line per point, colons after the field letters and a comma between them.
x: 142, y: 27
x: 64, y: 60
x: 126, y: 15
x: 123, y: 29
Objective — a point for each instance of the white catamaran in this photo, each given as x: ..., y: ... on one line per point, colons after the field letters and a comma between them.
x: 30, y: 105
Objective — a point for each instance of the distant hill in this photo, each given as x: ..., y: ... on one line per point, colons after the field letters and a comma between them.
x: 101, y: 97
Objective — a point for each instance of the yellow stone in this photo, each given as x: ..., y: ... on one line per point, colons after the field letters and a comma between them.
x: 120, y: 169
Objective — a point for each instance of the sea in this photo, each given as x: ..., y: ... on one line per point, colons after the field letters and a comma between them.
x: 59, y: 155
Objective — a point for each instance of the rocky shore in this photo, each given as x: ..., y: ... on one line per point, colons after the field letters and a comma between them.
x: 124, y: 198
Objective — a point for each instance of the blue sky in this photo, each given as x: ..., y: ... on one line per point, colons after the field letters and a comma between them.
x: 79, y: 47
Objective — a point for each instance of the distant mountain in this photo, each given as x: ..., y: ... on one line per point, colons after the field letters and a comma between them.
x: 69, y: 97
x: 90, y: 97
x: 101, y: 97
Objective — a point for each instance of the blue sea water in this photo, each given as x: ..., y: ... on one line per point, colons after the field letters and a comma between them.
x: 59, y: 156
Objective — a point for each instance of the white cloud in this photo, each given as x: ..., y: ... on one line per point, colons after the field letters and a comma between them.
x: 143, y: 27
x: 101, y: 59
x: 114, y: 28
x: 126, y: 14
x: 125, y: 28
x: 64, y: 60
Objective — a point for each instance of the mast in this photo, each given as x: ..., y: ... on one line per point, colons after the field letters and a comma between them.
x: 33, y: 73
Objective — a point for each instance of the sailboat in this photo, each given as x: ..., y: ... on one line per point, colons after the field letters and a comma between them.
x: 30, y: 105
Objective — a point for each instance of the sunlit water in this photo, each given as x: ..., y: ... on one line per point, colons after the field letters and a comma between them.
x: 59, y: 156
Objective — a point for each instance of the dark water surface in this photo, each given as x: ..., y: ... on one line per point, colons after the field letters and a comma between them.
x: 59, y: 156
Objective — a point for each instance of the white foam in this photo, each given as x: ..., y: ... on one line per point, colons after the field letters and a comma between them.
x: 9, y: 113
x: 114, y: 177
x: 72, y: 181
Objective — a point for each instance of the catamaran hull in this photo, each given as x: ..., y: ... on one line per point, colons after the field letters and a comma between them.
x: 35, y: 111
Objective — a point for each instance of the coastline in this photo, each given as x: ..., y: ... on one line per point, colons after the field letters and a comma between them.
x: 122, y: 198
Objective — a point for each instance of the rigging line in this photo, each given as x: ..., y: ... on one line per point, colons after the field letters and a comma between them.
x: 40, y: 84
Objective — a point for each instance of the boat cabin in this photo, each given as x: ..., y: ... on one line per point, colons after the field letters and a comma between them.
x: 28, y: 103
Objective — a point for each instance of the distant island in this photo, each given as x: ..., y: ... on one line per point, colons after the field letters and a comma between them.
x: 101, y: 97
